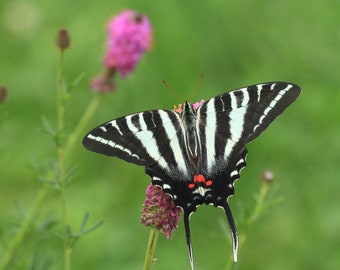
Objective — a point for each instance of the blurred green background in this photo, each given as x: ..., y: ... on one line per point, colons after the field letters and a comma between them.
x: 234, y: 44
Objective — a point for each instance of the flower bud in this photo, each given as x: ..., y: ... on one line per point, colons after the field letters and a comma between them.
x: 267, y: 176
x: 63, y: 39
x: 3, y: 93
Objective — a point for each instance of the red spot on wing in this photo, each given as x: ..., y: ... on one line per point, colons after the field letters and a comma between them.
x: 191, y: 185
x: 200, y: 178
x: 208, y: 183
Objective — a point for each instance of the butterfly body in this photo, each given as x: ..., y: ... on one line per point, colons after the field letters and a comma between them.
x: 197, y: 154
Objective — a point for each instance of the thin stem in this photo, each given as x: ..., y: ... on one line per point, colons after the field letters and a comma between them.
x: 260, y: 205
x: 257, y: 211
x: 60, y: 95
x: 153, y: 237
x: 25, y: 226
x: 61, y: 159
x: 74, y: 138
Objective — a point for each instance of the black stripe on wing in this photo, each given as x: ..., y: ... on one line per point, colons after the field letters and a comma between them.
x: 235, y: 118
x: 137, y: 138
x: 265, y: 103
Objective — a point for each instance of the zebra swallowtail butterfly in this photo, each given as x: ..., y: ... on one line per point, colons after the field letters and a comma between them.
x: 196, y: 155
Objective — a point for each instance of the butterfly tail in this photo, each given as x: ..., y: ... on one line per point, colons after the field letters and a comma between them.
x: 188, y: 237
x: 233, y: 229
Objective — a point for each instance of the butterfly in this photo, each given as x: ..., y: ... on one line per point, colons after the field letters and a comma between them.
x: 196, y: 155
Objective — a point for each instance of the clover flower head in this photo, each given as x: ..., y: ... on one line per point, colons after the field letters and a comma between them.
x: 129, y: 36
x: 160, y: 211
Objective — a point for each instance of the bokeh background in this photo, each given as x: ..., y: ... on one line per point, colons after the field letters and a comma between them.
x: 234, y: 44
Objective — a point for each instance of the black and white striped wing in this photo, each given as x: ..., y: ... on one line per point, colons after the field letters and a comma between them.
x: 225, y: 124
x: 150, y: 139
x: 228, y: 122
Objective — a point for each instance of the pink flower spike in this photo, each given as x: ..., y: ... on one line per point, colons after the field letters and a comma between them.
x: 160, y: 211
x: 129, y: 36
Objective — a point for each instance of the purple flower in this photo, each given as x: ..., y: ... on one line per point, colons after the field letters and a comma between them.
x: 129, y: 37
x: 160, y: 211
x: 197, y: 104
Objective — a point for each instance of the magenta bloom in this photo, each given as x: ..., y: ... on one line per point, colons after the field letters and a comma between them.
x: 197, y: 104
x: 129, y: 37
x: 160, y: 211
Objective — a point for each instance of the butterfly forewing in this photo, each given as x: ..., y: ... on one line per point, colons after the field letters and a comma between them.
x: 267, y: 101
x: 150, y: 139
x: 229, y: 121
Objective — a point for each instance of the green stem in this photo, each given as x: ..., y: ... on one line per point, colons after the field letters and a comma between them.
x: 62, y: 180
x: 258, y: 210
x: 60, y: 97
x: 259, y: 207
x: 78, y: 132
x: 25, y: 226
x: 61, y: 159
x: 153, y: 237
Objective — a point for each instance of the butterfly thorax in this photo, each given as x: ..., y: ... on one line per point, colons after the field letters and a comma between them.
x: 188, y: 116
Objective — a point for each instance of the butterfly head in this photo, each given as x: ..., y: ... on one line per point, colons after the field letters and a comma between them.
x: 187, y: 109
x: 195, y: 106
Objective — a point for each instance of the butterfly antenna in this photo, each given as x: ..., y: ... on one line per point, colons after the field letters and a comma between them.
x: 172, y: 91
x: 196, y: 86
x: 233, y: 229
x: 188, y: 238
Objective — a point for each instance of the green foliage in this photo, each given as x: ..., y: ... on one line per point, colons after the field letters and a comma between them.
x: 233, y: 43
